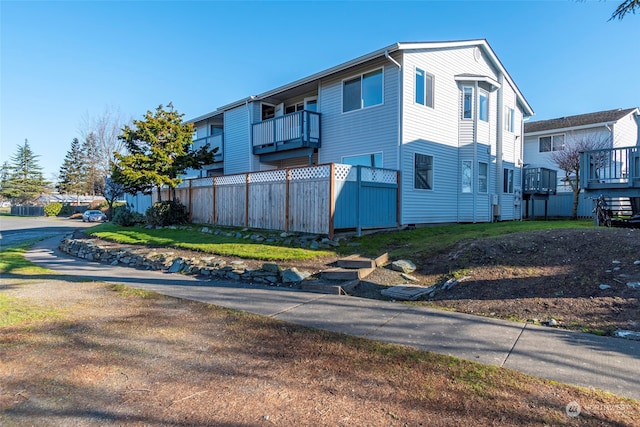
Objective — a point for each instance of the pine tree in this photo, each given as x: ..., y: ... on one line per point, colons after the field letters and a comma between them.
x: 25, y: 182
x: 71, y: 178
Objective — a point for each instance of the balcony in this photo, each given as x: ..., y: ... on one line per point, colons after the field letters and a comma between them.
x: 613, y: 170
x: 540, y: 181
x: 213, y: 141
x: 291, y: 131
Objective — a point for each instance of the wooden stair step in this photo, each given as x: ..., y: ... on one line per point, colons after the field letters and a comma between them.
x: 355, y: 261
x: 334, y: 287
x: 346, y: 273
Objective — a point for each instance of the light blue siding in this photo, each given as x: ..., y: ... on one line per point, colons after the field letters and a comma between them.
x: 238, y: 152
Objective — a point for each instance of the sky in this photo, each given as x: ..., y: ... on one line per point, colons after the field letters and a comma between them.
x: 63, y: 63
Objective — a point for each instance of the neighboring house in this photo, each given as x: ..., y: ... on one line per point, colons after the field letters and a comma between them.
x: 447, y: 115
x: 618, y: 128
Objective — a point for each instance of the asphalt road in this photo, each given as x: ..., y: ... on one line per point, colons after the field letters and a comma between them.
x: 15, y: 230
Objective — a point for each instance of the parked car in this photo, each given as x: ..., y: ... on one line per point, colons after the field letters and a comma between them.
x: 93, y: 216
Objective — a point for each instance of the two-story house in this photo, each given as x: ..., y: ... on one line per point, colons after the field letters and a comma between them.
x: 611, y: 129
x: 447, y: 115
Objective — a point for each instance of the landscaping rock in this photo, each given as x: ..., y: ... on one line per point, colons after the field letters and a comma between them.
x: 604, y: 287
x: 292, y: 275
x: 449, y: 284
x: 636, y: 262
x: 176, y: 266
x: 630, y: 335
x: 271, y: 267
x: 404, y: 266
x: 633, y: 285
x: 409, y: 277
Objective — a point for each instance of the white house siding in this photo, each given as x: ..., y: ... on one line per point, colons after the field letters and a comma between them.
x: 364, y: 131
x: 626, y: 132
x: 237, y: 147
x: 440, y: 132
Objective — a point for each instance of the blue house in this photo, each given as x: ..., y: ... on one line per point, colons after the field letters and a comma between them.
x: 447, y: 115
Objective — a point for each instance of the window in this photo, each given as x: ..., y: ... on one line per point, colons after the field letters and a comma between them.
x: 483, y: 113
x: 509, y: 119
x: 467, y: 102
x: 423, y: 172
x: 373, y: 160
x: 483, y: 177
x: 552, y: 143
x: 466, y: 176
x: 362, y: 91
x: 216, y: 130
x: 424, y: 88
x: 508, y: 181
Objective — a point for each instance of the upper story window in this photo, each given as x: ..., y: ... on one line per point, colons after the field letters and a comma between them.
x: 424, y: 88
x: 362, y: 91
x: 373, y: 160
x: 483, y: 107
x: 423, y: 172
x: 552, y: 143
x: 509, y: 119
x: 467, y: 102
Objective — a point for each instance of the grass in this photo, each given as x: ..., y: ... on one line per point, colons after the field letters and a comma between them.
x: 126, y: 291
x: 15, y: 311
x: 428, y: 241
x: 12, y: 261
x: 193, y: 239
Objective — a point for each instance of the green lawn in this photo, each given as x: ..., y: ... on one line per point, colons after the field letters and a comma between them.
x: 12, y: 261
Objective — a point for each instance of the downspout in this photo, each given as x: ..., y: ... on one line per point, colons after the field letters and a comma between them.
x: 399, y: 128
x: 249, y: 119
x: 499, y: 141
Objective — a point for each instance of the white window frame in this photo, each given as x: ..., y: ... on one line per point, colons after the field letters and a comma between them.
x: 466, y: 181
x: 432, y: 78
x: 508, y: 178
x: 361, y: 76
x: 483, y: 93
x: 509, y: 119
x: 433, y: 162
x: 486, y: 178
x: 471, y: 88
x: 552, y: 145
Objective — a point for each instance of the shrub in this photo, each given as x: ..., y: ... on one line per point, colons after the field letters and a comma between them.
x: 67, y: 210
x: 125, y: 217
x: 167, y: 213
x: 53, y: 209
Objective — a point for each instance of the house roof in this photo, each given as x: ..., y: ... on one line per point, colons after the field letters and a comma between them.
x: 481, y: 43
x: 579, y: 121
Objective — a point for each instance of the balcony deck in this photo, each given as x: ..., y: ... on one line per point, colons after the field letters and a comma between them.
x: 539, y: 181
x: 613, y: 172
x: 291, y: 131
x: 213, y: 141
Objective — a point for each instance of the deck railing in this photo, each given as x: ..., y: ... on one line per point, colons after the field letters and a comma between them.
x: 213, y: 141
x: 295, y: 130
x: 610, y: 168
x: 539, y: 181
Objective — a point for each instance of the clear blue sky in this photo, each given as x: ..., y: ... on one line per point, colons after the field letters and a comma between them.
x: 62, y: 61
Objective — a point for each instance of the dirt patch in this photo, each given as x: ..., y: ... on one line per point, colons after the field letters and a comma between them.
x: 115, y: 360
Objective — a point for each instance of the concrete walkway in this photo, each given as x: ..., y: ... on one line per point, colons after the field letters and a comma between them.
x: 611, y: 364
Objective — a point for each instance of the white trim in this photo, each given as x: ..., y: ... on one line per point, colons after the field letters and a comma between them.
x: 569, y: 129
x: 462, y: 117
x: 433, y: 88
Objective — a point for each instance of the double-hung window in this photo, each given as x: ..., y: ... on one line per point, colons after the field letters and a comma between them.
x: 362, y: 91
x: 423, y: 172
x: 424, y: 88
x: 507, y: 185
x: 467, y: 174
x: 483, y: 177
x: 509, y: 119
x: 483, y: 106
x: 467, y: 102
x: 552, y: 143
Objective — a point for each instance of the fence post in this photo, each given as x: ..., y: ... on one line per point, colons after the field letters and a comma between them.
x: 213, y: 202
x: 246, y: 200
x: 190, y: 202
x: 332, y: 202
x: 358, y: 198
x: 398, y: 199
x: 286, y: 200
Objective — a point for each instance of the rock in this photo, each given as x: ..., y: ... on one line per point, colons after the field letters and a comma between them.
x: 238, y: 265
x: 633, y: 285
x: 604, y: 287
x: 403, y: 265
x: 630, y: 335
x: 636, y: 262
x: 271, y: 267
x: 449, y: 284
x: 292, y: 275
x: 233, y: 276
x: 238, y: 235
x: 177, y: 265
x: 615, y: 261
x: 284, y: 234
x: 330, y: 242
x: 205, y: 230
x: 552, y: 322
x: 616, y: 268
x: 408, y: 277
x: 314, y: 245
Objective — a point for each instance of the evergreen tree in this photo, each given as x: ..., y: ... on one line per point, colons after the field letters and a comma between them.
x: 25, y: 182
x: 159, y: 151
x: 72, y: 179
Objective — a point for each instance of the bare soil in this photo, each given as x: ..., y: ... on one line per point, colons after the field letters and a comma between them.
x: 112, y: 359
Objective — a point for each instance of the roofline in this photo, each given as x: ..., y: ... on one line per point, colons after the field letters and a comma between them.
x: 373, y: 55
x: 634, y: 111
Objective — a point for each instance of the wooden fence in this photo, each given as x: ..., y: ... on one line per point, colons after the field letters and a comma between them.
x: 315, y: 199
